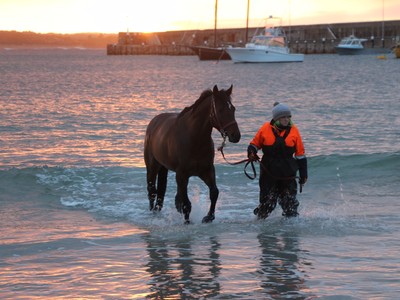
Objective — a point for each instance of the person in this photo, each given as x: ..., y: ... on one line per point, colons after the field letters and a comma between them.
x: 283, y: 155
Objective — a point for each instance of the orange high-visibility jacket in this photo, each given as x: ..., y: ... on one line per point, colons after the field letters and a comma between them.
x: 266, y: 137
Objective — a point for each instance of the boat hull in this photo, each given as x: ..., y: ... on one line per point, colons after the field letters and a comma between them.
x: 246, y: 55
x: 209, y: 53
x: 361, y: 51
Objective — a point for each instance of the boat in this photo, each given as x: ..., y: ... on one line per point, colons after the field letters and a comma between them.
x: 350, y: 45
x: 267, y: 47
x: 211, y: 53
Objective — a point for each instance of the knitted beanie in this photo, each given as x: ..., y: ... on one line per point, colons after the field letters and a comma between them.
x: 280, y: 110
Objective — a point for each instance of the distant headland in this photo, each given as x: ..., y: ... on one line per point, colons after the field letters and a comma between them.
x: 28, y: 39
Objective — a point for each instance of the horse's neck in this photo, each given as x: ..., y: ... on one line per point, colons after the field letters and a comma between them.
x: 199, y: 122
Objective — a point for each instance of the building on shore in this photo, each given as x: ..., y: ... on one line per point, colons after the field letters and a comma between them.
x: 307, y: 39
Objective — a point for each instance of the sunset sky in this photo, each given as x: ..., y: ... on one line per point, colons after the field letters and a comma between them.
x: 112, y: 16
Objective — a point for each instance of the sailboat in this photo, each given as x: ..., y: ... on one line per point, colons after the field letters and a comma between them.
x: 211, y: 53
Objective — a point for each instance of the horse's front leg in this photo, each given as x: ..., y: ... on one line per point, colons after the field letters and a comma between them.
x: 209, y: 179
x: 182, y: 201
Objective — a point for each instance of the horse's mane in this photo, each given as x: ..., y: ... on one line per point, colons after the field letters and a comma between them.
x: 205, y: 94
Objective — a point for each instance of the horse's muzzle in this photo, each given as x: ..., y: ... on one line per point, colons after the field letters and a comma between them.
x: 231, y: 131
x: 234, y: 137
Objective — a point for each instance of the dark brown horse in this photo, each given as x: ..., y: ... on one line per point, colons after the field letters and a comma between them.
x: 182, y: 142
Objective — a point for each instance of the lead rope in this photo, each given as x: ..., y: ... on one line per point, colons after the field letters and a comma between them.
x: 251, y: 162
x: 247, y: 161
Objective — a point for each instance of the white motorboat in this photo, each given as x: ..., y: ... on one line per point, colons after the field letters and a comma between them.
x: 350, y: 45
x: 268, y: 47
x: 353, y: 45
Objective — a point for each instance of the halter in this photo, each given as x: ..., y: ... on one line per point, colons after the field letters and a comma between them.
x: 214, y: 116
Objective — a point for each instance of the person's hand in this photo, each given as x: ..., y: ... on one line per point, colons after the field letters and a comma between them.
x: 302, y: 180
x: 252, y: 153
x: 253, y: 156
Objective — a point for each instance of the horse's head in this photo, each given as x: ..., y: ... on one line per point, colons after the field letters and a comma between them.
x: 223, y: 114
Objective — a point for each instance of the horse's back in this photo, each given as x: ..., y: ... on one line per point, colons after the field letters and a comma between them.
x: 159, y: 138
x: 160, y: 120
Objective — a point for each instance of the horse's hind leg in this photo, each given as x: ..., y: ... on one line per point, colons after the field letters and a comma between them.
x: 161, y: 187
x: 209, y: 179
x: 151, y: 188
x: 182, y: 201
x: 152, y: 168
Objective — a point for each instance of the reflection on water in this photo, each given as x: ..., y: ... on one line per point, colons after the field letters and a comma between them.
x: 181, y: 268
x: 176, y: 272
x: 279, y: 260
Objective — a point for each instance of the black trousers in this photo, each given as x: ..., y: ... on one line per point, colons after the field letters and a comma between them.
x: 277, y: 190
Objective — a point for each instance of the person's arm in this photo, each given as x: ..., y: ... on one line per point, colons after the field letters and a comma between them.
x: 255, y: 144
x: 303, y: 170
x: 252, y: 152
x: 301, y: 160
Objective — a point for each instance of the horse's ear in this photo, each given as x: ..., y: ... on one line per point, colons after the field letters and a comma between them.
x: 229, y: 91
x: 215, y: 89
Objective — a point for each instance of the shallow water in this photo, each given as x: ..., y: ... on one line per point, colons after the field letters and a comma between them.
x: 74, y: 211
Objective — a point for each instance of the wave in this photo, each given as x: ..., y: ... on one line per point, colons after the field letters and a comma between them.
x: 358, y: 165
x: 382, y: 162
x: 355, y: 167
x: 341, y: 189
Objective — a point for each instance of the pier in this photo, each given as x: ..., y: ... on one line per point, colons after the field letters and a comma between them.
x: 307, y: 39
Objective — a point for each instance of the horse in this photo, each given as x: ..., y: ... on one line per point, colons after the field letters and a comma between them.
x: 182, y: 142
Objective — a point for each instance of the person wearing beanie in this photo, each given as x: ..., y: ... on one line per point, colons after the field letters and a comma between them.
x: 283, y: 155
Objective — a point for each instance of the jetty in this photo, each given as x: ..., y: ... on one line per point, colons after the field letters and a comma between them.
x: 306, y: 39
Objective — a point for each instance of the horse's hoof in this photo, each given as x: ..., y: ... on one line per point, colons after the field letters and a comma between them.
x: 255, y: 211
x: 187, y: 222
x: 262, y: 215
x: 208, y: 219
x: 158, y: 208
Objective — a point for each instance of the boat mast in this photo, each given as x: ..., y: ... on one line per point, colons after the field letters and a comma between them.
x: 215, y: 24
x: 247, y: 22
x: 290, y: 20
x: 383, y: 23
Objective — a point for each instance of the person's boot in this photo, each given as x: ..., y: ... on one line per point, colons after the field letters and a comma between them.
x: 291, y: 210
x: 263, y: 210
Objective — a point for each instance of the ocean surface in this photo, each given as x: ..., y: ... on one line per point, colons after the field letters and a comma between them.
x: 74, y: 212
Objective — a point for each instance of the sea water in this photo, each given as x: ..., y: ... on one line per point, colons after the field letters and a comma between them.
x: 74, y: 212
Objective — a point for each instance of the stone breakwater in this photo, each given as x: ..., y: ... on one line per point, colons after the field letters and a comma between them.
x: 307, y: 39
